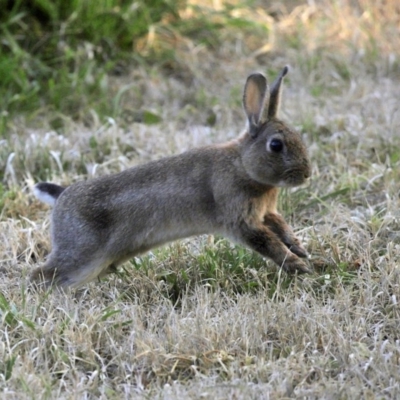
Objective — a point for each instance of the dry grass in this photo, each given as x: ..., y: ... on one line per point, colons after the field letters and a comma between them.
x: 207, y: 320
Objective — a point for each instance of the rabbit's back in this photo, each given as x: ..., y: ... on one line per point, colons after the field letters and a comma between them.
x: 146, y: 205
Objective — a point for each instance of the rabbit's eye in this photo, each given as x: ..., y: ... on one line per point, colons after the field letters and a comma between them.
x: 276, y: 145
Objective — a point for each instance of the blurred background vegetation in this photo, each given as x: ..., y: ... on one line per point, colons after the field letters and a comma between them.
x: 56, y: 55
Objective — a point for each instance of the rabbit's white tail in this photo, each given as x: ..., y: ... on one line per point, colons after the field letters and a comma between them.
x: 47, y: 192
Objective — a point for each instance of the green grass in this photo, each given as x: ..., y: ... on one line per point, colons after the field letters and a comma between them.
x: 219, y: 266
x: 55, y: 55
x: 58, y: 59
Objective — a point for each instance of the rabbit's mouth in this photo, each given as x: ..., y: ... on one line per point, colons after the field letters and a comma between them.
x: 293, y: 178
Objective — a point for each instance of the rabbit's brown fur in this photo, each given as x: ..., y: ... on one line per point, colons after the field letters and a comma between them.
x: 229, y: 189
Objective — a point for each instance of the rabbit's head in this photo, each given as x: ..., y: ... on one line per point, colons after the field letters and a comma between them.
x: 272, y: 153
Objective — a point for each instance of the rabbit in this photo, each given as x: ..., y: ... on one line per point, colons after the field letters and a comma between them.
x: 229, y: 189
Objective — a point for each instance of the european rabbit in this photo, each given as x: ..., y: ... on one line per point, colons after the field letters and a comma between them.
x: 229, y: 189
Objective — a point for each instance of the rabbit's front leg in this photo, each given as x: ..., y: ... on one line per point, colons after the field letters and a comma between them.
x: 265, y: 241
x: 280, y: 227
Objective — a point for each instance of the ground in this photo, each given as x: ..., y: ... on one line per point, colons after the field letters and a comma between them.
x: 203, y: 318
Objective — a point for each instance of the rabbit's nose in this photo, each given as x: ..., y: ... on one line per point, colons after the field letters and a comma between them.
x: 307, y: 173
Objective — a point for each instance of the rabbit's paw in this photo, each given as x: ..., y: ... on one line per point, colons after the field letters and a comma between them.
x: 298, y: 249
x: 294, y: 264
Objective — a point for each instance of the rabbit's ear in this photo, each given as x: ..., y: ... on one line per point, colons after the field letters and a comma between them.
x: 254, y: 99
x: 276, y: 91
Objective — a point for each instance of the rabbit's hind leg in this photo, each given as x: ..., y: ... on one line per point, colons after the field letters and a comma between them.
x: 68, y: 273
x: 43, y: 277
